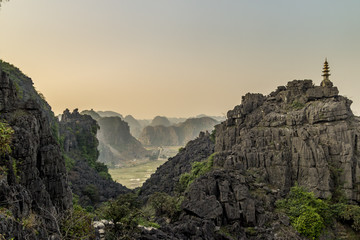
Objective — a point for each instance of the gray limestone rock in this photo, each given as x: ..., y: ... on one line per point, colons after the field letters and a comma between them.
x: 299, y: 133
x: 35, y: 185
x: 302, y: 137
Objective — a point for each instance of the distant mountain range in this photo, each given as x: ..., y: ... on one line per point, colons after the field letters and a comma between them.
x: 173, y: 127
x: 116, y: 144
x: 176, y: 135
x: 121, y: 139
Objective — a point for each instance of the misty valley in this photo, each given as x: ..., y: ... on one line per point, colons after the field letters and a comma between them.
x: 280, y: 166
x: 179, y: 120
x: 131, y: 159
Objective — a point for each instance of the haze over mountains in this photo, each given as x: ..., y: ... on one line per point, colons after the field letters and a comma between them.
x: 178, y: 134
x: 122, y: 139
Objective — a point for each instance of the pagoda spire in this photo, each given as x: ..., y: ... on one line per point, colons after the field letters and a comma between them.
x: 326, y: 73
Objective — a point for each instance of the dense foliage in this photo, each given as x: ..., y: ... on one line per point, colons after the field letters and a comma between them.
x: 310, y: 215
x: 124, y: 212
x: 307, y: 213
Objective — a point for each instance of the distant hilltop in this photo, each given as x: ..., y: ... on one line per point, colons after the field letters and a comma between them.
x: 176, y: 135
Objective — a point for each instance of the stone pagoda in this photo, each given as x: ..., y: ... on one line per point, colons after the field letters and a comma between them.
x: 326, y: 73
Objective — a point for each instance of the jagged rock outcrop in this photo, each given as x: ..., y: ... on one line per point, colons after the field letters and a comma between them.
x: 239, y: 201
x: 176, y: 135
x: 90, y: 179
x: 166, y: 177
x: 299, y: 133
x: 78, y: 135
x: 34, y: 191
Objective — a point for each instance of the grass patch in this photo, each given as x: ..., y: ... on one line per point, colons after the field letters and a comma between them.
x: 146, y: 223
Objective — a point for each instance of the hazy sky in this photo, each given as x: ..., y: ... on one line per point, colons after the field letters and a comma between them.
x: 178, y: 57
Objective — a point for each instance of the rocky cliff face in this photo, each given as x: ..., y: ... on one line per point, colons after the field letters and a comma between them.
x: 78, y: 135
x: 33, y: 185
x: 178, y: 134
x: 90, y: 179
x: 299, y: 133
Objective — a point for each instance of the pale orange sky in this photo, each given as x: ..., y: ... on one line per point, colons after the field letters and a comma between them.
x: 181, y: 57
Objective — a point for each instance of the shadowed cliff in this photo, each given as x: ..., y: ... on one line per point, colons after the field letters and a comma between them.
x: 33, y: 180
x: 89, y: 178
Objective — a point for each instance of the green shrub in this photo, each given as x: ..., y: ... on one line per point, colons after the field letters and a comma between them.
x: 6, y: 133
x: 307, y: 214
x: 197, y: 169
x: 350, y: 213
x: 15, y: 170
x: 105, y: 175
x: 146, y: 223
x: 55, y: 131
x: 77, y: 224
x: 92, y: 192
x: 310, y: 215
x: 297, y: 105
x: 251, y: 231
x: 30, y: 221
x: 165, y: 205
x: 19, y: 91
x: 309, y: 223
x: 213, y: 135
x: 125, y: 211
x: 100, y: 167
x: 69, y: 162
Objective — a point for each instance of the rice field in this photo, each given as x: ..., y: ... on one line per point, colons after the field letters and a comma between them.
x: 134, y: 176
